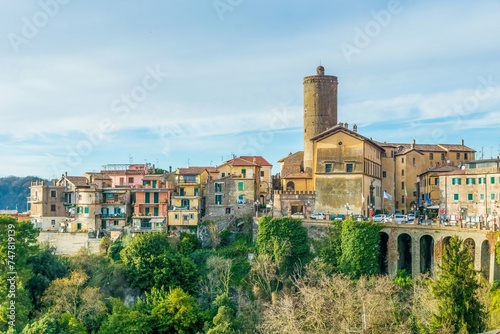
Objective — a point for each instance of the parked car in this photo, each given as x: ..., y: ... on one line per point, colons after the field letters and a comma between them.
x: 398, y: 218
x: 359, y: 218
x: 411, y: 217
x: 298, y: 215
x: 338, y: 216
x: 380, y: 218
x: 318, y: 216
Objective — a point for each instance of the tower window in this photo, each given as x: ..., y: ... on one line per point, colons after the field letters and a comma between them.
x: 348, y: 168
x: 328, y: 168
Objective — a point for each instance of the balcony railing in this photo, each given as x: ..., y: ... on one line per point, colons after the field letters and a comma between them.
x: 112, y: 215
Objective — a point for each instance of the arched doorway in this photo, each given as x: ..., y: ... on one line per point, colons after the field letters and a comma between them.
x: 290, y: 186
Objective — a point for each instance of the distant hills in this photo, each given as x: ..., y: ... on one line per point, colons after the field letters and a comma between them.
x: 14, y: 191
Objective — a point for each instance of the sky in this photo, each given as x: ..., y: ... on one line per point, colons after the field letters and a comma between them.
x: 191, y: 83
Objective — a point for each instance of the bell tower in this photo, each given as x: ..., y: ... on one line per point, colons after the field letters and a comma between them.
x: 320, y: 109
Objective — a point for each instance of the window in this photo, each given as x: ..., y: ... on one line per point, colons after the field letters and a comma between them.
x: 481, y: 197
x: 402, y: 185
x: 458, y: 155
x: 470, y: 180
x: 470, y: 197
x: 348, y: 168
x: 195, y: 191
x: 122, y: 181
x: 492, y: 180
x: 185, y: 203
x: 466, y: 156
x: 223, y: 174
x: 189, y: 178
x: 53, y: 193
x: 262, y: 173
x: 115, y: 222
x: 155, y: 212
x: 328, y: 168
x: 182, y: 192
x: 402, y: 172
x: 240, y: 186
x: 218, y: 199
x: 146, y: 211
x: 147, y: 198
x: 79, y: 209
x: 53, y: 207
x: 156, y: 197
x: 228, y: 211
x: 481, y: 180
x: 492, y: 197
x: 218, y: 187
x: 456, y: 180
x: 402, y: 160
x: 241, y: 199
x: 455, y: 197
x: 413, y: 161
x: 384, y: 174
x: 436, y: 180
x: 431, y: 156
x: 53, y: 222
x: 86, y: 210
x: 403, y: 199
x: 442, y: 156
x: 244, y: 172
x: 154, y: 184
x: 130, y: 180
x: 176, y: 216
x: 191, y: 216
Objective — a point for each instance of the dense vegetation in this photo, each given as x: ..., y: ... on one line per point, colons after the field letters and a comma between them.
x: 285, y: 283
x: 14, y: 191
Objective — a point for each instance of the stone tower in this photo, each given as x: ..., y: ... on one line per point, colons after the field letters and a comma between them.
x: 320, y: 109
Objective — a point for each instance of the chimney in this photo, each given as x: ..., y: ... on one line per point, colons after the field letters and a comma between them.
x: 254, y: 159
x: 462, y: 142
x: 170, y: 169
x: 346, y: 125
x: 355, y: 128
x: 413, y: 143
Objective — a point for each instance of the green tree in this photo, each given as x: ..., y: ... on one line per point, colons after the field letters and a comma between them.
x: 150, y: 262
x: 70, y: 325
x: 360, y: 248
x: 329, y: 248
x: 20, y: 238
x: 189, y: 242
x: 46, y: 267
x: 44, y: 325
x: 175, y: 312
x: 115, y: 249
x: 456, y: 290
x: 123, y: 319
x: 285, y: 240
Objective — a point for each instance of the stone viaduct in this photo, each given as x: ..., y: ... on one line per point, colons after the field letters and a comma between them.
x: 418, y: 248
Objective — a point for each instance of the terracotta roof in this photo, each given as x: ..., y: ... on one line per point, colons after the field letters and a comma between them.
x: 78, y: 180
x: 405, y: 147
x: 299, y: 155
x: 191, y: 170
x: 259, y: 160
x: 239, y: 162
x: 212, y: 169
x: 99, y: 176
x: 442, y: 169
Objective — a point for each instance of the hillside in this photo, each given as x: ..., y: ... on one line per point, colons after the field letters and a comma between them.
x: 13, y: 192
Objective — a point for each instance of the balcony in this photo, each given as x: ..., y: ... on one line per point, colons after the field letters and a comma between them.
x: 112, y: 215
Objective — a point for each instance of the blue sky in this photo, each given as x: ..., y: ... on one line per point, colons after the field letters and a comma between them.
x: 89, y: 83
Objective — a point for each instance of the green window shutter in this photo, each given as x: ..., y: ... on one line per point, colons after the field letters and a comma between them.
x: 155, y: 212
x: 147, y: 197
x: 240, y: 186
x: 155, y: 197
x: 492, y: 180
x: 86, y: 209
x: 470, y: 197
x: 455, y: 197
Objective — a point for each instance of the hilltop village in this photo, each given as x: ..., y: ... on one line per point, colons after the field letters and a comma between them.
x: 339, y: 171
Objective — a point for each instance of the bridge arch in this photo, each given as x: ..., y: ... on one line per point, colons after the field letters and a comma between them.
x: 404, y: 252
x: 383, y: 255
x: 426, y: 254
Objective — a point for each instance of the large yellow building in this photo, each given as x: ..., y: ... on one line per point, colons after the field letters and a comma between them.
x: 342, y: 171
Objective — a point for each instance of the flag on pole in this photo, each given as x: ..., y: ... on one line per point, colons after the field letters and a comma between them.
x: 387, y: 195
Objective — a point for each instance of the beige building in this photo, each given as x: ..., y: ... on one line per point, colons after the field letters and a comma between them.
x: 47, y: 210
